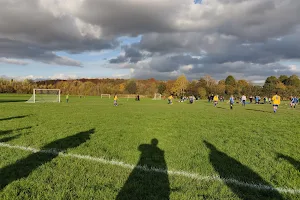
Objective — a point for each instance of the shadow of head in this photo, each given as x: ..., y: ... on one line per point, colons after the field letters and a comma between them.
x: 209, y: 145
x: 154, y: 142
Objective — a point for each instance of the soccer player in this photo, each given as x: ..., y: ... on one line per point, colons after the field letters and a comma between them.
x: 296, y: 101
x: 170, y: 98
x: 191, y: 99
x: 244, y: 98
x: 231, y: 101
x: 216, y: 100
x: 293, y: 102
x: 276, y: 102
x: 251, y: 98
x: 115, y: 100
x: 67, y: 98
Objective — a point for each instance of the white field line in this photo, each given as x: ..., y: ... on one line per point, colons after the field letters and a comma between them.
x: 170, y: 172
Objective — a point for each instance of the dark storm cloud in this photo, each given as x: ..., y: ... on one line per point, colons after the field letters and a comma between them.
x: 15, y: 49
x: 30, y: 30
x: 246, y: 37
x: 131, y: 17
x: 131, y: 55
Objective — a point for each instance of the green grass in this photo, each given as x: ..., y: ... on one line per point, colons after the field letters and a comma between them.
x: 250, y: 144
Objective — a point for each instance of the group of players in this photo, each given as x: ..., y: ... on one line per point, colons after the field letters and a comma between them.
x: 276, y: 100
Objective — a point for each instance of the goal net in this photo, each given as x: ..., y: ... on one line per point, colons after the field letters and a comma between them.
x: 105, y: 95
x: 157, y: 96
x: 45, y: 95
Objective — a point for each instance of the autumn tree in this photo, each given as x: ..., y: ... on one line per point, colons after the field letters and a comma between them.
x: 283, y: 79
x: 180, y: 85
x: 121, y: 88
x: 169, y: 87
x: 192, y: 89
x: 161, y: 88
x: 293, y: 81
x: 202, y: 92
x: 131, y: 87
x: 270, y: 85
x: 230, y: 80
x: 208, y: 83
x: 243, y: 87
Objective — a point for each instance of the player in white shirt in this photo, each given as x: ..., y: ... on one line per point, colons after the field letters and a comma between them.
x: 244, y: 98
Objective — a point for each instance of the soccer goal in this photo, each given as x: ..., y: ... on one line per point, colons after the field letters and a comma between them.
x: 157, y: 96
x: 105, y: 95
x: 45, y: 95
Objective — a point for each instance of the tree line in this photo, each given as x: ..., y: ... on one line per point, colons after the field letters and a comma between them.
x: 284, y: 85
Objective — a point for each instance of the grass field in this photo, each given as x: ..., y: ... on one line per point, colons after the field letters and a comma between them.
x: 254, y: 151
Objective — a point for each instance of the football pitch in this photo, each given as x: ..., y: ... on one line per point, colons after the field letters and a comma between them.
x: 89, y: 149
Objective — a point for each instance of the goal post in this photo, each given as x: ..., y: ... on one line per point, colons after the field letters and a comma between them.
x: 45, y: 95
x: 157, y: 96
x: 105, y: 95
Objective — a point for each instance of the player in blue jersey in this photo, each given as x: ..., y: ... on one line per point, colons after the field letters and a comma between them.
x: 231, y: 101
x: 293, y: 102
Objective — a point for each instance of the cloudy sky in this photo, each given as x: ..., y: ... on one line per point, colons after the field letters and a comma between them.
x: 250, y: 39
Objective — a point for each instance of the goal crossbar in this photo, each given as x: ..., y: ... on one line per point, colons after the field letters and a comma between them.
x: 105, y: 95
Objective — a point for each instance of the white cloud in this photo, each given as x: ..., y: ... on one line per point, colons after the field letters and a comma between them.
x: 63, y: 76
x: 13, y: 61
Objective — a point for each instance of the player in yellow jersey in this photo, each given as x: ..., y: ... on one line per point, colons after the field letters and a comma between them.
x: 170, y: 98
x: 216, y: 100
x: 276, y: 102
x: 67, y: 98
x: 115, y: 100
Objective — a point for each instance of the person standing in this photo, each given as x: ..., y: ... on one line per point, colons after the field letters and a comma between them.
x: 216, y: 100
x: 231, y: 101
x: 276, y: 102
x: 67, y: 98
x: 251, y: 98
x: 115, y: 100
x: 244, y: 98
x: 170, y: 98
x: 293, y: 102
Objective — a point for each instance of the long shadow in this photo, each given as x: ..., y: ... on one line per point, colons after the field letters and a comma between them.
x: 11, y: 131
x: 229, y: 168
x: 147, y: 184
x: 16, y: 117
x: 291, y: 160
x: 11, y: 101
x: 221, y: 108
x: 259, y: 110
x: 25, y: 166
x: 7, y: 139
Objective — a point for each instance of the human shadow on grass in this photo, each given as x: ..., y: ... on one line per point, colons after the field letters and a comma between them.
x: 221, y: 108
x: 149, y: 179
x: 16, y: 117
x: 230, y: 169
x: 7, y: 139
x: 11, y: 101
x: 264, y: 111
x: 11, y: 131
x: 291, y: 160
x: 22, y: 168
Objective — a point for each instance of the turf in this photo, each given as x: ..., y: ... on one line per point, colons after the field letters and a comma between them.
x: 250, y: 144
